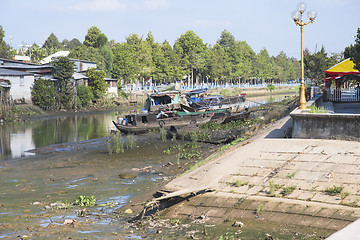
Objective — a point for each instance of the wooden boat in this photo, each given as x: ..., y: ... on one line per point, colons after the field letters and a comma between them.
x: 236, y: 117
x: 142, y: 123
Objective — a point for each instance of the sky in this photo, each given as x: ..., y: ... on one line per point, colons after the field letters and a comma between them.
x: 261, y: 23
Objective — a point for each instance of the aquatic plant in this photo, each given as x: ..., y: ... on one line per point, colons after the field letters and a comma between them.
x: 163, y: 134
x: 131, y: 141
x: 85, y: 201
x: 115, y: 144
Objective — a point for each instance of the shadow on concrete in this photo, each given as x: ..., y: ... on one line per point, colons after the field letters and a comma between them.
x: 347, y: 108
x: 283, y: 132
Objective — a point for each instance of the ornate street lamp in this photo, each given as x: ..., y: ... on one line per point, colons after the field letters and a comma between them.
x: 297, y: 16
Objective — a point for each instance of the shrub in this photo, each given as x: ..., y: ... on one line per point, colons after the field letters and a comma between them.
x: 84, y: 95
x: 43, y: 93
x: 85, y: 201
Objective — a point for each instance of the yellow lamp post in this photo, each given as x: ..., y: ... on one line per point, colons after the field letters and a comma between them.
x: 297, y: 16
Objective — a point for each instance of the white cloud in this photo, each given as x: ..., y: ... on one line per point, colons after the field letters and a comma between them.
x: 99, y: 6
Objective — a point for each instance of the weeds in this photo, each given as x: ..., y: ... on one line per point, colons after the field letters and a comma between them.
x: 259, y: 209
x: 163, y: 134
x: 287, y: 190
x: 131, y: 141
x: 115, y: 144
x: 333, y: 191
x: 85, y: 201
x: 273, y: 188
x: 238, y: 183
x: 292, y: 175
x: 314, y: 109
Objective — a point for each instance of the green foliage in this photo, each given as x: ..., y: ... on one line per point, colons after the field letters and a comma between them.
x: 84, y: 95
x: 52, y: 42
x: 85, y: 201
x: 43, y: 94
x: 96, y: 82
x: 238, y: 183
x: 273, y: 188
x: 63, y: 72
x: 5, y: 51
x: 314, y: 109
x: 287, y: 190
x: 131, y: 141
x: 316, y: 64
x: 95, y: 38
x: 291, y: 175
x: 116, y: 144
x: 270, y: 87
x: 334, y: 190
x: 259, y: 209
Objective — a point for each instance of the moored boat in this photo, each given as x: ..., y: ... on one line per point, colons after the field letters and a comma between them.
x: 142, y: 123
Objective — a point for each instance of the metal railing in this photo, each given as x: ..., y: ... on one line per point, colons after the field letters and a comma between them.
x: 139, y: 87
x: 341, y: 95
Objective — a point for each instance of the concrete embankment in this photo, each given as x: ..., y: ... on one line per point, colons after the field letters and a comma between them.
x: 307, y: 182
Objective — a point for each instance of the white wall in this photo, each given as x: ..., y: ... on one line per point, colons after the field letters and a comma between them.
x: 21, y: 88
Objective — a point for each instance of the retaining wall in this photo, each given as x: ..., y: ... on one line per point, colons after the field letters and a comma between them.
x: 325, y: 125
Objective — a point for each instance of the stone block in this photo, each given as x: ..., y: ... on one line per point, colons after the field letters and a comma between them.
x: 320, y: 197
x: 305, y: 221
x: 278, y: 217
x: 333, y: 200
x: 326, y: 212
x: 346, y: 215
x: 306, y: 195
x: 336, y: 224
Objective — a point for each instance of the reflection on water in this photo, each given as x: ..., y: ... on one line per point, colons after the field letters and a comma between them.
x: 16, y: 140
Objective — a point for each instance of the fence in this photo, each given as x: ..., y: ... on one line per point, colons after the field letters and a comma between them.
x: 139, y: 87
x: 341, y: 95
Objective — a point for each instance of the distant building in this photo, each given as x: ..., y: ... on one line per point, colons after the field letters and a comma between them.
x: 112, y: 86
x: 21, y: 83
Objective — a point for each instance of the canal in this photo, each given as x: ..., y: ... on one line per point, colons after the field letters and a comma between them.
x: 47, y: 164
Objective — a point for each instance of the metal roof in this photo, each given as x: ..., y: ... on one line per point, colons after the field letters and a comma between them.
x: 8, y: 72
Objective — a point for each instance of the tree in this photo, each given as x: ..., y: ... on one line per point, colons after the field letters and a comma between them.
x: 356, y: 51
x: 95, y: 38
x: 316, y: 64
x: 4, y: 48
x: 71, y: 45
x: 43, y: 94
x: 188, y: 46
x: 63, y: 72
x: 52, y: 42
x: 84, y: 95
x: 97, y: 83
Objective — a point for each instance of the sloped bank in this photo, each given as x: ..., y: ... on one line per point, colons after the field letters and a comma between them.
x: 310, y: 183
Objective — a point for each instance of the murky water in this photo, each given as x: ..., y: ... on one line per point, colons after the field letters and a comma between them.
x: 16, y: 140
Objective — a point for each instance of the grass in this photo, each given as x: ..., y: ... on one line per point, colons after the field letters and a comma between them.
x: 116, y: 144
x: 259, y: 209
x: 291, y: 175
x: 238, y: 183
x: 131, y: 141
x: 314, y: 109
x: 334, y: 190
x: 85, y: 201
x: 273, y: 188
x: 287, y: 190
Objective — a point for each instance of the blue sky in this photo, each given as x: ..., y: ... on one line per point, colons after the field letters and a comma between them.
x: 261, y: 23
